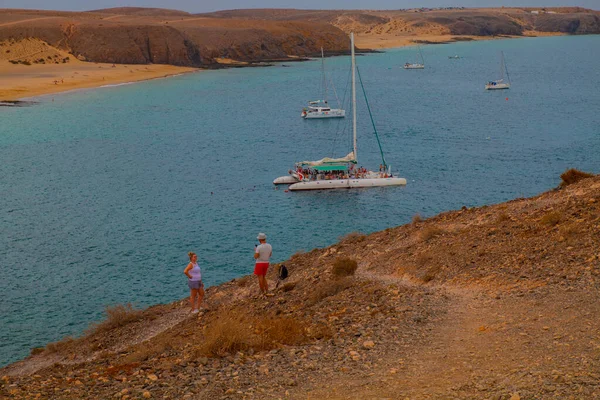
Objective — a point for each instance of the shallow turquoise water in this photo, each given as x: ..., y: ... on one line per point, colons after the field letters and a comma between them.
x: 103, y: 192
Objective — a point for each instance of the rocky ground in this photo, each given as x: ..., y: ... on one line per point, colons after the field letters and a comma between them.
x: 497, y: 302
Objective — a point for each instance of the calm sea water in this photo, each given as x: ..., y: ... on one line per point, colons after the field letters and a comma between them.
x: 103, y: 192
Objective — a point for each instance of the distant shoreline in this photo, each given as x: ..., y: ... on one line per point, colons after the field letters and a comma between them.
x: 378, y: 42
x: 25, y: 83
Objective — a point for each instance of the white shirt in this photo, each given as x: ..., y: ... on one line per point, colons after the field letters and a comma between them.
x: 264, y: 251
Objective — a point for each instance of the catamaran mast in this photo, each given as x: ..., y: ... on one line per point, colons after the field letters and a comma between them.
x: 353, y: 95
x: 323, y: 74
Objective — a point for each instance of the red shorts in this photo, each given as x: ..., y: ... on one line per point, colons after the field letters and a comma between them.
x: 261, y: 268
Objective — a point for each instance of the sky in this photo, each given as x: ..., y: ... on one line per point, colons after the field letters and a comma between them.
x: 196, y: 6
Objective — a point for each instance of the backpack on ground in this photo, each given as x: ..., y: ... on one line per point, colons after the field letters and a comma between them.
x: 282, y: 274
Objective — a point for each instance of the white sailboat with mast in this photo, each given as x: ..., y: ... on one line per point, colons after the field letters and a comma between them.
x: 321, y: 108
x: 420, y: 64
x: 342, y: 173
x: 500, y: 84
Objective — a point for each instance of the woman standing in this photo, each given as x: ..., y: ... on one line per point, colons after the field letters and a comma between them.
x: 194, y: 274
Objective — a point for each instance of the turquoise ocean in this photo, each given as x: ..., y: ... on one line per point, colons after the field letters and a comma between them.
x: 104, y: 191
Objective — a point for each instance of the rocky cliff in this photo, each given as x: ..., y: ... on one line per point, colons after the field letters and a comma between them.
x: 142, y: 37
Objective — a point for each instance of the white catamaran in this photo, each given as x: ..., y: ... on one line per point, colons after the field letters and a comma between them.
x: 417, y: 65
x: 341, y: 173
x: 320, y: 108
x: 500, y: 84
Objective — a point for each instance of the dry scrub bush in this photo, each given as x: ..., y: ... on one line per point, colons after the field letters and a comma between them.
x: 36, y: 351
x: 297, y: 255
x: 416, y: 219
x: 573, y: 175
x: 116, y: 316
x: 429, y: 274
x: 288, y: 287
x: 353, y: 237
x: 60, y: 346
x: 327, y: 289
x: 503, y: 217
x: 280, y: 330
x: 551, y: 219
x: 344, y: 266
x: 319, y: 331
x: 569, y: 230
x: 422, y: 259
x: 244, y: 281
x: 430, y: 232
x: 569, y: 233
x: 235, y: 332
x: 228, y: 334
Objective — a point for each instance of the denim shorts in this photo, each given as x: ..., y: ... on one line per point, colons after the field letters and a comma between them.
x: 195, y: 284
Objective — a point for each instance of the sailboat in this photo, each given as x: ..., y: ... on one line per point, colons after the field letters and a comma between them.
x: 342, y: 173
x: 417, y: 65
x: 500, y: 84
x: 320, y: 108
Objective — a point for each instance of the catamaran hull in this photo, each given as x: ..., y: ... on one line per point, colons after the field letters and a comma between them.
x: 348, y: 183
x: 324, y: 114
x: 498, y: 86
x: 285, y: 180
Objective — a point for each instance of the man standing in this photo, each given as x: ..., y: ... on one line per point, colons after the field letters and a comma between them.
x: 262, y: 254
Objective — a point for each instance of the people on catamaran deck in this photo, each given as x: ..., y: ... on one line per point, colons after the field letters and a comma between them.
x: 262, y: 255
x: 194, y: 274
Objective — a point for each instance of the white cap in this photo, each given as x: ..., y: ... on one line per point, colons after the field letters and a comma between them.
x: 261, y: 236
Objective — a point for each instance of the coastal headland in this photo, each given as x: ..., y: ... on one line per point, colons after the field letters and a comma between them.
x: 493, y: 302
x: 51, y: 51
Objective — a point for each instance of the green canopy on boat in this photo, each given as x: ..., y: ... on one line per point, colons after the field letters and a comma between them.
x: 330, y: 168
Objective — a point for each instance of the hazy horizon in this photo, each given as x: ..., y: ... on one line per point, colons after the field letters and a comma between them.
x: 213, y: 5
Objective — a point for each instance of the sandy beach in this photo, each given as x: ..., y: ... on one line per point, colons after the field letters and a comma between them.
x: 50, y: 70
x: 22, y: 81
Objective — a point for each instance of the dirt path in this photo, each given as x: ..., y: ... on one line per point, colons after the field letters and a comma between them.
x: 493, y: 346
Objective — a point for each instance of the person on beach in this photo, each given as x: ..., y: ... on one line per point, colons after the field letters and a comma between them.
x: 262, y: 254
x: 194, y: 274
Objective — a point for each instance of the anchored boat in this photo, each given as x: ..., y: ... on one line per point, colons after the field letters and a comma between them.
x: 417, y: 65
x: 342, y: 173
x: 499, y: 83
x: 321, y: 108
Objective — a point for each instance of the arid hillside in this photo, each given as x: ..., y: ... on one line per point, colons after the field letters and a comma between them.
x: 131, y: 35
x: 496, y: 302
x: 476, y: 22
x: 143, y: 36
